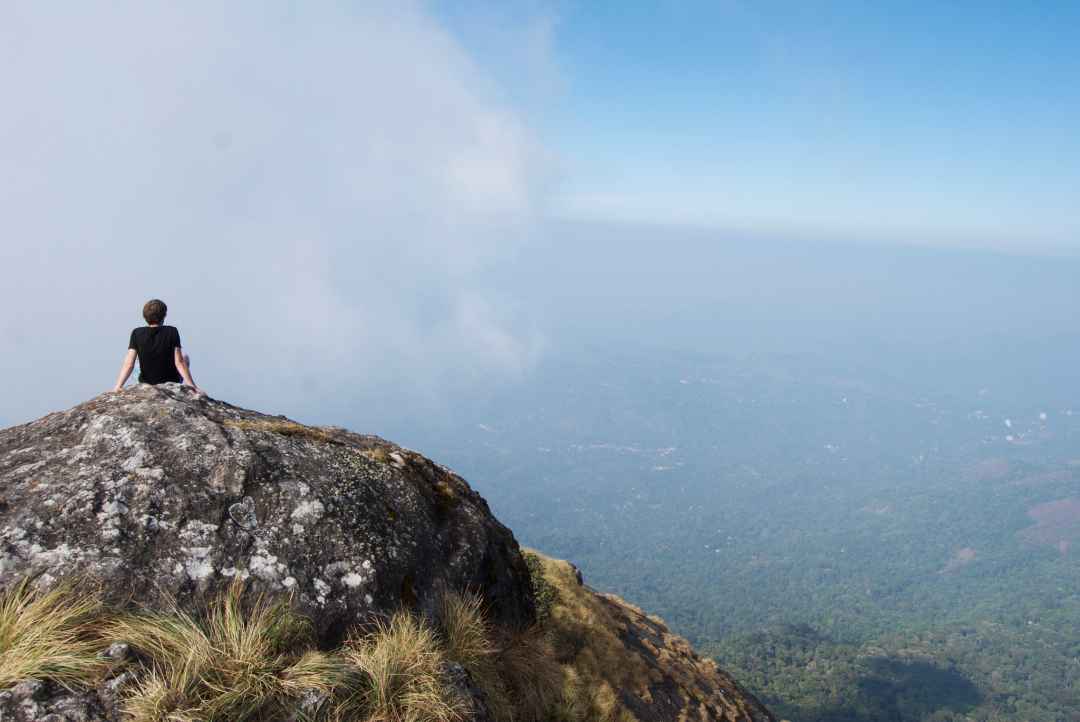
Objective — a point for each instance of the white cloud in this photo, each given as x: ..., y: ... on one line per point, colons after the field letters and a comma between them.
x: 312, y: 190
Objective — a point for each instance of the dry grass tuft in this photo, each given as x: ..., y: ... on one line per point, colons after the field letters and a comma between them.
x: 516, y: 670
x: 242, y: 662
x: 378, y: 454
x: 446, y: 497
x: 469, y: 641
x: 315, y: 671
x: 466, y: 632
x: 401, y: 680
x: 283, y: 427
x: 254, y: 659
x: 532, y: 676
x: 49, y: 635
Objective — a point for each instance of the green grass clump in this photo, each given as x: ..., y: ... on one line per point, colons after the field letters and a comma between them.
x: 49, y: 635
x: 545, y: 595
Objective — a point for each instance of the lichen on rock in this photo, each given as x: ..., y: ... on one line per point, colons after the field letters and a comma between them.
x: 166, y: 497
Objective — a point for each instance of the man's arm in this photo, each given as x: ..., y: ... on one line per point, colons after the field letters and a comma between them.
x: 125, y: 369
x: 182, y: 367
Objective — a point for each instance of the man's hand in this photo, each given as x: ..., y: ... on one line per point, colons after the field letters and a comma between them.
x: 125, y: 369
x: 181, y: 362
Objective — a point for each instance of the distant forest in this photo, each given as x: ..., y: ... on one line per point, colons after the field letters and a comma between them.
x: 849, y: 544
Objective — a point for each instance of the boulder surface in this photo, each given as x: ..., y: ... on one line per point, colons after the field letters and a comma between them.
x: 166, y: 497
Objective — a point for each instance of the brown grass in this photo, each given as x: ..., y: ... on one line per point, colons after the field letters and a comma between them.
x: 446, y: 498
x: 401, y: 680
x: 243, y: 661
x: 254, y: 659
x: 533, y: 679
x: 49, y: 635
x: 378, y: 454
x: 284, y: 427
x: 584, y: 635
x: 466, y: 633
x: 517, y: 670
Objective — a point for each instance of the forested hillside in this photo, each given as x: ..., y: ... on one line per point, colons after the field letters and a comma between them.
x: 854, y: 542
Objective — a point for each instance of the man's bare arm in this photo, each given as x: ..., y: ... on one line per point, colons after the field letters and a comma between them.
x: 182, y: 367
x: 125, y: 369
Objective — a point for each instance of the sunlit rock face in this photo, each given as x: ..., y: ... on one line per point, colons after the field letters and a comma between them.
x: 164, y: 496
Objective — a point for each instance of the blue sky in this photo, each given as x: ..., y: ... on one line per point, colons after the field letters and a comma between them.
x: 918, y: 122
x: 391, y: 168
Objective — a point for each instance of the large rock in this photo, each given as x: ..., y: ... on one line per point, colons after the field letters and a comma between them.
x: 165, y: 497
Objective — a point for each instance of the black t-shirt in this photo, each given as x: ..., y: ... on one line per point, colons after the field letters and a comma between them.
x: 155, y: 346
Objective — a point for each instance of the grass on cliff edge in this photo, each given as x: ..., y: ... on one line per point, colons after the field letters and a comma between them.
x: 584, y: 636
x: 256, y: 660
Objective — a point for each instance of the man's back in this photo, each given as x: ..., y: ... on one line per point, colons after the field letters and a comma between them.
x: 156, y: 346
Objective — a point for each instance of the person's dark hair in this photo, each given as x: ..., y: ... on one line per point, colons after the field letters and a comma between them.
x: 154, y: 311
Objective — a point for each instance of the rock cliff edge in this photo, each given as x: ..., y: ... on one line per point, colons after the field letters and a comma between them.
x: 166, y: 498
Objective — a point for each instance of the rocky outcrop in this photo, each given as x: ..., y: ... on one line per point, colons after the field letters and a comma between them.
x: 163, y: 498
x: 166, y: 497
x: 43, y: 701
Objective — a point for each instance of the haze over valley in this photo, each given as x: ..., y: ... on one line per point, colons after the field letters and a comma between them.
x: 869, y: 519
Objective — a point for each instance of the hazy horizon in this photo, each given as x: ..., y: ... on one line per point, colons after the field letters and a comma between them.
x: 612, y: 285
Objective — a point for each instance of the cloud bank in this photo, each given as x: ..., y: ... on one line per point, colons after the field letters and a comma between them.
x: 314, y: 190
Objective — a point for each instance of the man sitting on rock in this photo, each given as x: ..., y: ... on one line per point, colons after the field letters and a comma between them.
x: 157, y: 347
